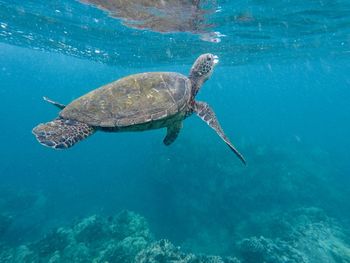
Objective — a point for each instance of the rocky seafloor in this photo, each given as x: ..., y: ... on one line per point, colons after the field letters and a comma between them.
x: 301, y: 235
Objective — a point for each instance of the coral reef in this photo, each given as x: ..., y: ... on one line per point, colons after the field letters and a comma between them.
x: 263, y: 249
x: 124, y: 238
x: 301, y: 236
x: 255, y: 214
x: 163, y: 251
x: 94, y: 239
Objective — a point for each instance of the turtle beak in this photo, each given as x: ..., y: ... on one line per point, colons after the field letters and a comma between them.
x: 216, y: 59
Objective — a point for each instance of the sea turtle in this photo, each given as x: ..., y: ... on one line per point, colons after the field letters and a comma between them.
x: 137, y: 102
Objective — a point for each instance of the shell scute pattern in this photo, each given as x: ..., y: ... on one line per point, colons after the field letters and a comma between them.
x: 135, y: 99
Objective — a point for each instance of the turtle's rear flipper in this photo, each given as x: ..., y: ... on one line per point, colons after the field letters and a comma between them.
x: 61, y: 133
x: 57, y: 104
x: 204, y: 112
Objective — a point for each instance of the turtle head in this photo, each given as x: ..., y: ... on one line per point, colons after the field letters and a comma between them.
x: 201, y: 70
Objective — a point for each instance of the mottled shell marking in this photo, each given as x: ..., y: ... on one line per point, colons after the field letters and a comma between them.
x: 135, y: 99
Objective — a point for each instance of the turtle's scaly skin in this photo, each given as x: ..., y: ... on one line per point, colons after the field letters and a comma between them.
x: 153, y: 97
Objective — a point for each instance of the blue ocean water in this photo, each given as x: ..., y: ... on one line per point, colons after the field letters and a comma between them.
x: 281, y: 92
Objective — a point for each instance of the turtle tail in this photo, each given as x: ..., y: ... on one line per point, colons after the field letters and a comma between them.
x: 61, y: 133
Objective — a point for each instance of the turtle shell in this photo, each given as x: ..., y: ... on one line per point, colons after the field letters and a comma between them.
x: 135, y: 99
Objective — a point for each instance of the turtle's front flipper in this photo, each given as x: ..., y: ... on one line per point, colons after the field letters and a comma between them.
x: 172, y: 133
x: 57, y: 104
x: 61, y: 133
x: 204, y: 111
